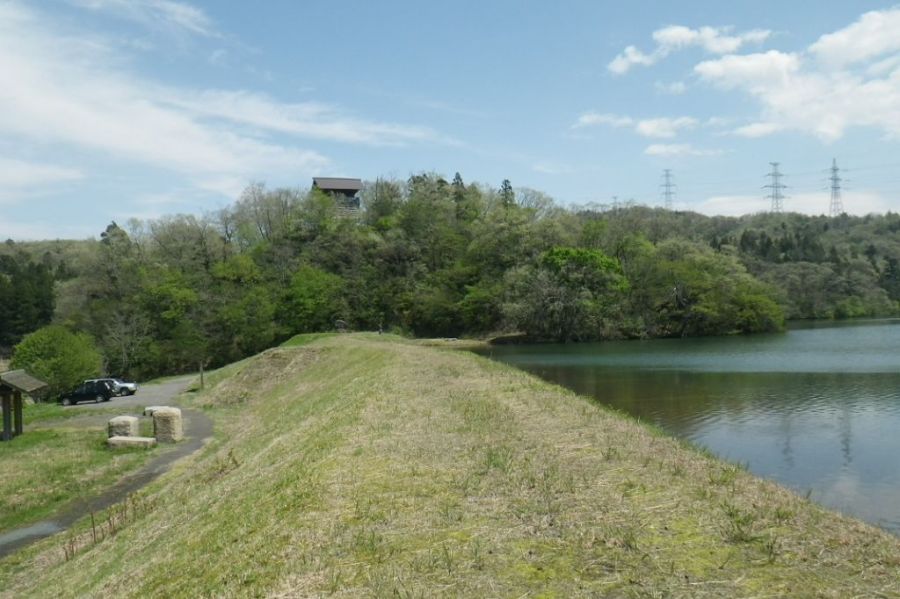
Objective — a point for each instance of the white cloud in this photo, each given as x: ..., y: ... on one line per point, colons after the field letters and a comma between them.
x: 754, y: 130
x: 71, y: 93
x: 761, y: 71
x: 796, y: 94
x: 875, y: 33
x: 21, y: 174
x: 590, y: 119
x: 664, y: 127
x: 715, y: 40
x: 308, y: 119
x: 858, y: 203
x: 677, y: 150
x: 629, y: 57
x: 166, y: 14
x: 675, y: 88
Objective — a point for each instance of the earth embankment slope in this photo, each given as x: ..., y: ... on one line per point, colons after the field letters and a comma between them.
x: 370, y: 466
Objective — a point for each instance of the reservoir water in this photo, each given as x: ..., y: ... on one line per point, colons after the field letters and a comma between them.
x: 816, y: 408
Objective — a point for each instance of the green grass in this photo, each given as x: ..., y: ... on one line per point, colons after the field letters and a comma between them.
x: 46, y: 468
x: 46, y: 411
x: 305, y: 338
x: 365, y: 465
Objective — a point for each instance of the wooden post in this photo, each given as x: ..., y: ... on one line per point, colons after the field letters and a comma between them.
x: 6, y: 399
x: 17, y: 413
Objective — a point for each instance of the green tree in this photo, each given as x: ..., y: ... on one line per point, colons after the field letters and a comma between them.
x: 59, y: 357
x: 26, y: 297
x: 507, y: 195
x: 314, y: 301
x: 709, y: 293
x: 572, y: 294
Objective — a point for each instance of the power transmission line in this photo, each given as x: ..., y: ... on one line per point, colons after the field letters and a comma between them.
x: 836, y: 208
x: 668, y: 187
x: 777, y: 196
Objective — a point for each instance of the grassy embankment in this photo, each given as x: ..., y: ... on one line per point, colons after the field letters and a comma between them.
x: 61, y: 456
x: 370, y: 466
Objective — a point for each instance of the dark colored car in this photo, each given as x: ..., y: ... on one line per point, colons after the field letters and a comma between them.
x: 119, y: 386
x: 89, y: 390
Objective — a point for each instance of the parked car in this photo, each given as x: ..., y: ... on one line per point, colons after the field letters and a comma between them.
x: 89, y: 390
x: 119, y: 386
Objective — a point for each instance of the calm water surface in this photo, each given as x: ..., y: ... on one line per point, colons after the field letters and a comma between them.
x: 816, y: 409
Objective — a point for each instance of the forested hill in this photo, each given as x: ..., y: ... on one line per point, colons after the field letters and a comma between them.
x: 438, y: 258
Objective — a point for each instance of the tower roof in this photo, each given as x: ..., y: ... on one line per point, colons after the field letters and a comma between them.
x: 337, y: 184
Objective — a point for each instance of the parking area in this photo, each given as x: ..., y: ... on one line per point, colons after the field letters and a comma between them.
x: 149, y: 394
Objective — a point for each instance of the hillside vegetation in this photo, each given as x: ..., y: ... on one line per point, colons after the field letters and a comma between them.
x: 436, y: 258
x: 366, y: 465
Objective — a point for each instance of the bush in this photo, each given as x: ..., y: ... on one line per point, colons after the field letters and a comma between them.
x: 59, y: 357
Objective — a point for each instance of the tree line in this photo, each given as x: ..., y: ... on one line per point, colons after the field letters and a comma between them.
x: 431, y: 257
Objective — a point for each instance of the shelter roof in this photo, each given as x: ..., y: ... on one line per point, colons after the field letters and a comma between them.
x: 21, y: 381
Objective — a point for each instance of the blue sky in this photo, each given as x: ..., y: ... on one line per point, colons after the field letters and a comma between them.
x: 118, y: 109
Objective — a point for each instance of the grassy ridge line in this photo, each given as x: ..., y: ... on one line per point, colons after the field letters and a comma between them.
x: 368, y: 466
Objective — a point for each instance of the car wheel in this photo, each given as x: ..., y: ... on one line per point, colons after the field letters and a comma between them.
x: 98, y: 399
x: 66, y: 401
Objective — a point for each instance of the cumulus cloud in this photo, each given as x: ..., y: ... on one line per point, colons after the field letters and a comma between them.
x: 630, y: 57
x: 714, y: 40
x: 874, y: 34
x: 845, y: 79
x: 762, y: 71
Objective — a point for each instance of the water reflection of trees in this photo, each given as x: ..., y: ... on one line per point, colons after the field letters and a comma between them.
x: 780, y: 407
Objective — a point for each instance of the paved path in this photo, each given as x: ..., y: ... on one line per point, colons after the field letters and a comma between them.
x: 198, y: 428
x: 149, y: 394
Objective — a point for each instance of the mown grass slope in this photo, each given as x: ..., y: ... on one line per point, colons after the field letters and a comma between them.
x: 363, y: 465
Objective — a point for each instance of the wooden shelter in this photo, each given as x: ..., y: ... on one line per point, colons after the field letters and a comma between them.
x: 342, y: 189
x: 12, y: 385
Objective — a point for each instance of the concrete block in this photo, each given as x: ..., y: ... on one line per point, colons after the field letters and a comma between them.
x: 167, y: 425
x: 123, y: 426
x: 143, y: 442
x: 148, y: 411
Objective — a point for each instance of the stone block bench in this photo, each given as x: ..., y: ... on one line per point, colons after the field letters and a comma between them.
x: 167, y: 425
x: 123, y: 442
x: 123, y: 426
